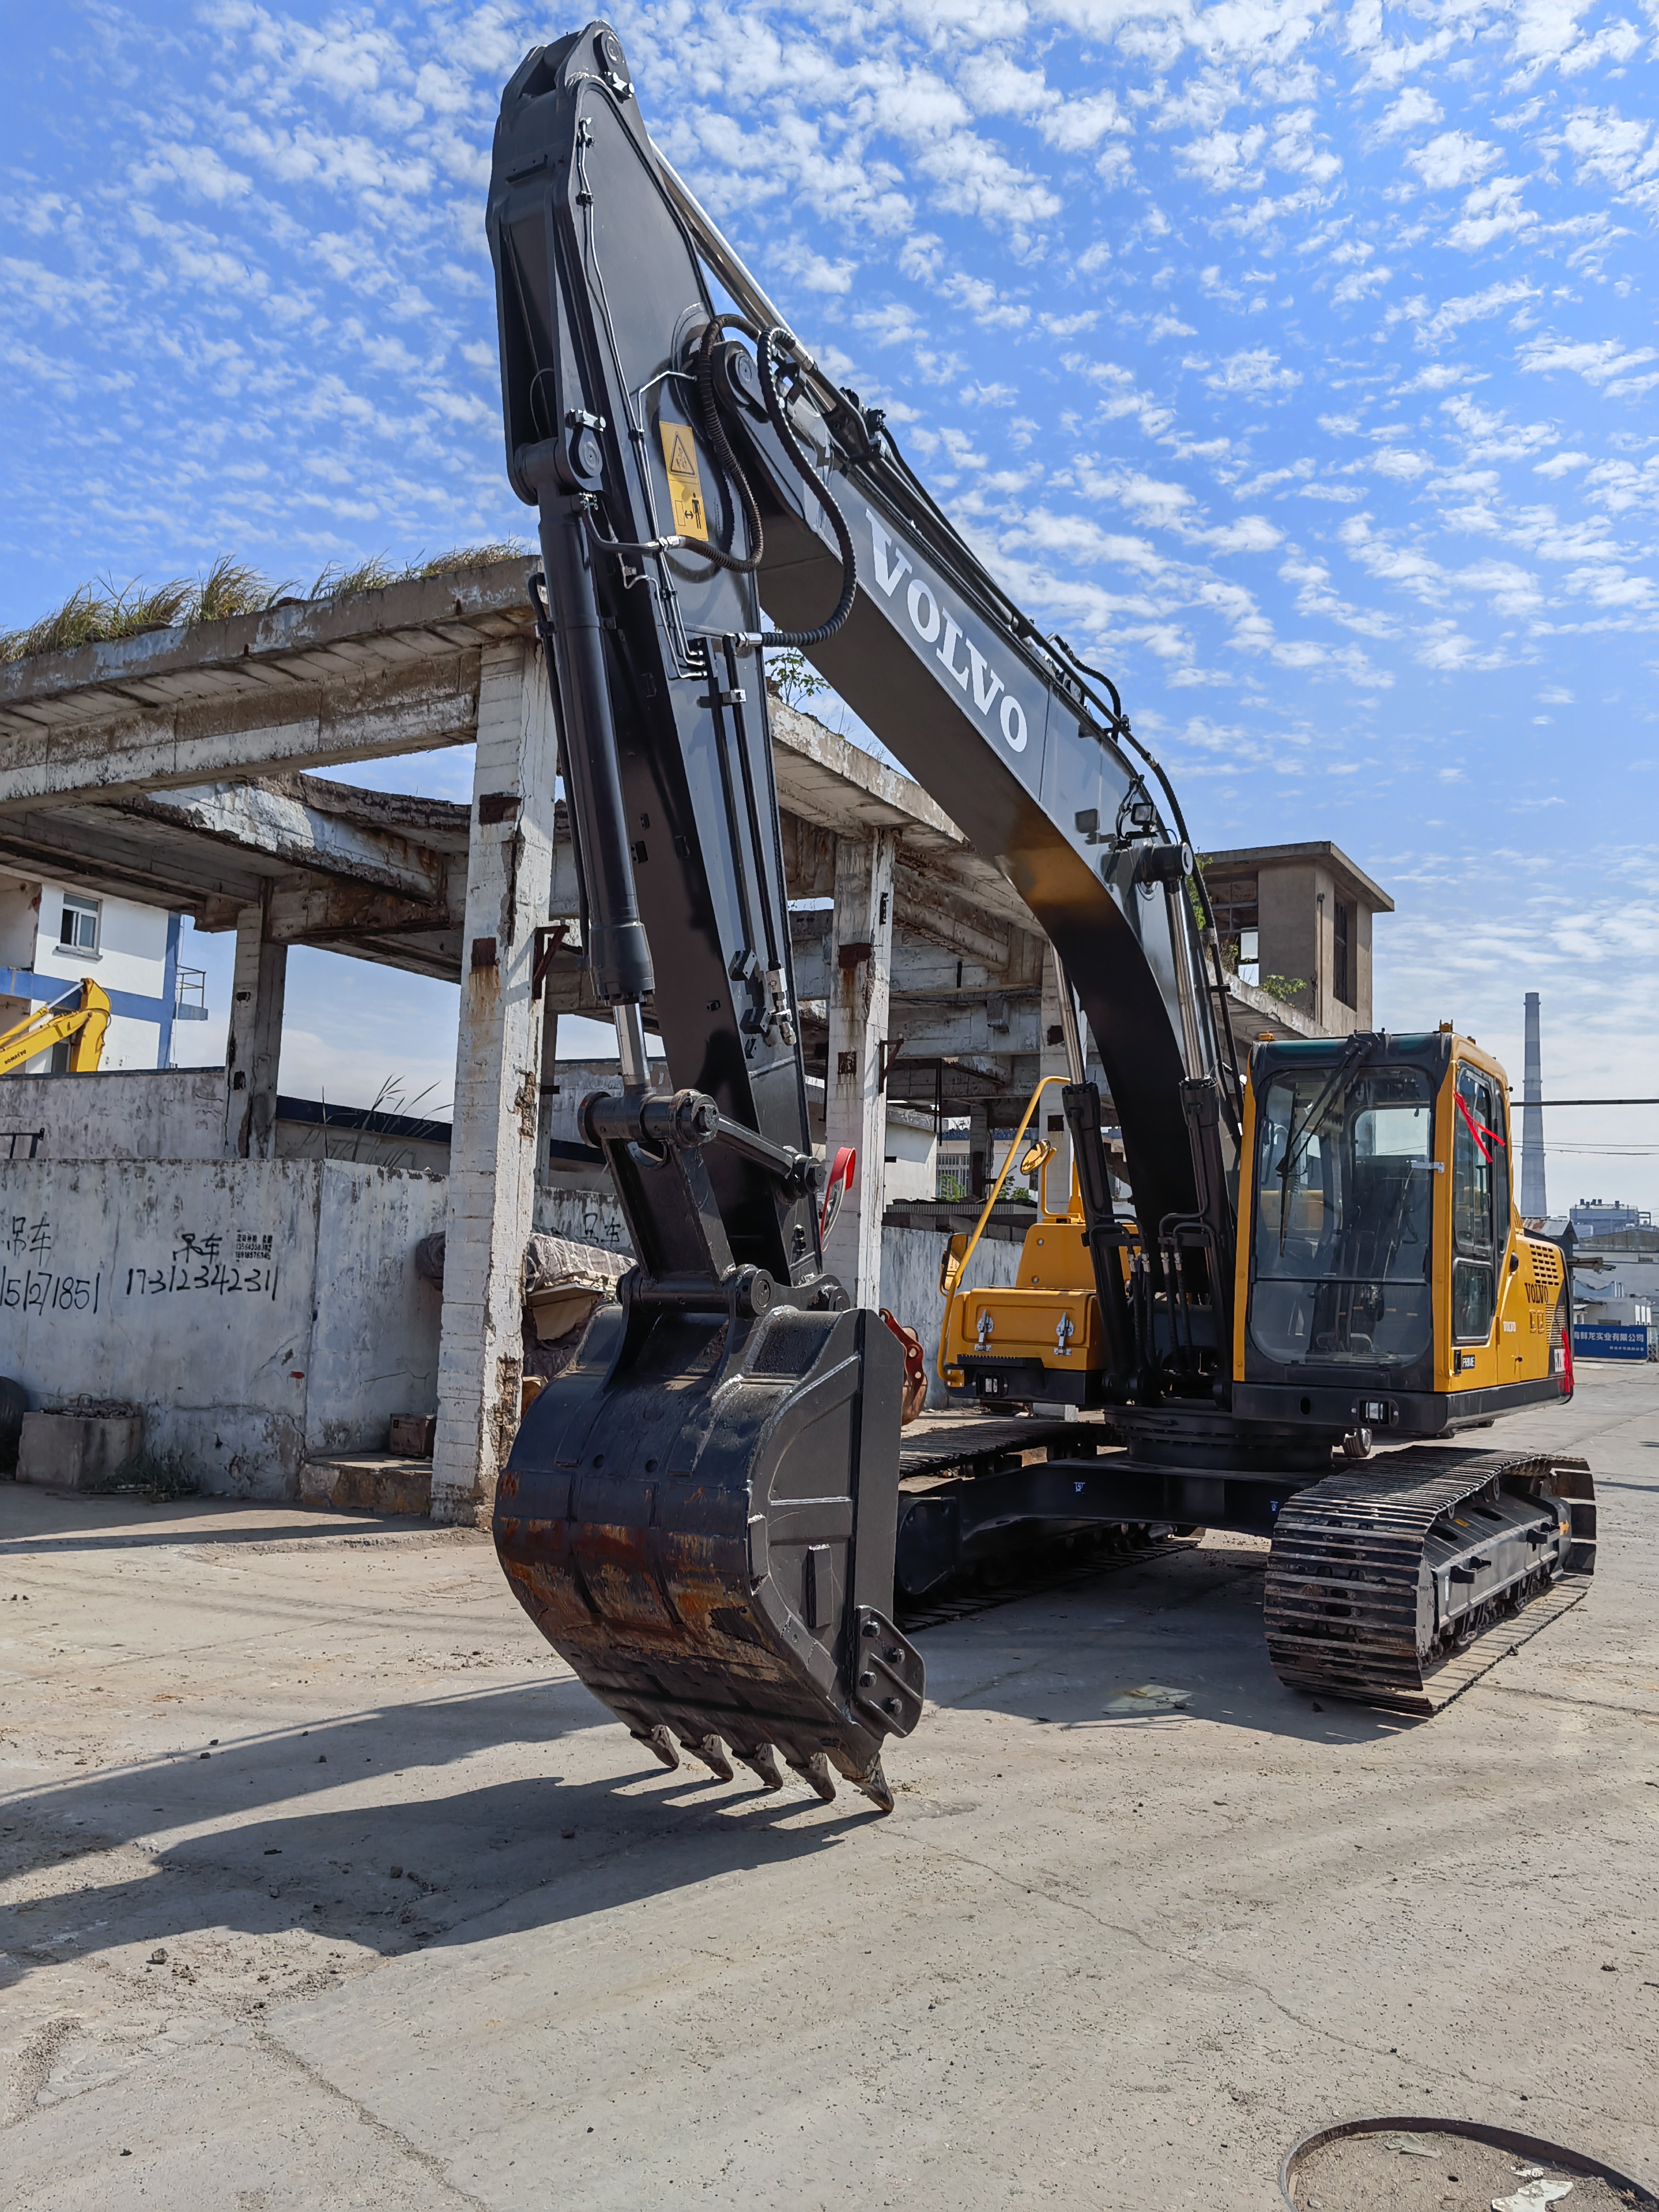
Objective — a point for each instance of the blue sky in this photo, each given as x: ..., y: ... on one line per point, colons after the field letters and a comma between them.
x: 1298, y: 361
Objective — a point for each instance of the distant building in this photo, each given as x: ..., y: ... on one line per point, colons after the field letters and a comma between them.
x: 1604, y: 1217
x: 1299, y: 915
x: 52, y: 934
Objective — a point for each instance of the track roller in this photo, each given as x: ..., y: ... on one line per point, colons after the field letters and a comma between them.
x: 1381, y: 1585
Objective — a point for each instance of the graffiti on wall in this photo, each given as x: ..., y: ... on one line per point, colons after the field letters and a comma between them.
x: 34, y: 1280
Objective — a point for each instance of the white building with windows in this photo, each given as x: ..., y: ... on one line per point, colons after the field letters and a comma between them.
x: 52, y: 935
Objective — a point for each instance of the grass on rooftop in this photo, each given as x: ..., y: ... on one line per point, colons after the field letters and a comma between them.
x: 98, y: 612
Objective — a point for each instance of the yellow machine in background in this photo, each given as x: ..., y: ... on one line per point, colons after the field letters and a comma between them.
x: 1038, y: 1340
x: 80, y: 1023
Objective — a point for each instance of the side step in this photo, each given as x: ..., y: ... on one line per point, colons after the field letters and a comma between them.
x: 1399, y: 1585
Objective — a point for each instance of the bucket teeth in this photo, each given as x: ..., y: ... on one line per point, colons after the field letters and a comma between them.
x: 712, y: 1753
x: 815, y: 1773
x: 762, y: 1763
x: 660, y: 1741
x: 874, y: 1784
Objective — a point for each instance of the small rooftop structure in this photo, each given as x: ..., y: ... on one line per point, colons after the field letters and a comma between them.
x: 1297, y: 919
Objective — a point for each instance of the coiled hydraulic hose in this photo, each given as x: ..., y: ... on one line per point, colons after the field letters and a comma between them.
x: 771, y: 338
x: 765, y: 342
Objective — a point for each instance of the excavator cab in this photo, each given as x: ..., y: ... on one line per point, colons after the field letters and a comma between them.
x: 1384, y: 1282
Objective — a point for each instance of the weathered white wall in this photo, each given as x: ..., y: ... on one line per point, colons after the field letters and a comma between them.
x: 257, y: 1310
x: 374, y: 1343
x: 909, y: 1284
x: 911, y: 1157
x: 588, y: 1214
x: 153, y: 1114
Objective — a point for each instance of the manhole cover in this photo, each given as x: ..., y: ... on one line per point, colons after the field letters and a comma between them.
x: 1447, y: 2166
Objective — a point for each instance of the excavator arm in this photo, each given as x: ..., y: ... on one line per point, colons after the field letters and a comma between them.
x: 700, y: 1513
x: 80, y: 1022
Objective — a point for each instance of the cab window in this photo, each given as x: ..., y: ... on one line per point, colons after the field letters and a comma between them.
x: 1480, y: 1201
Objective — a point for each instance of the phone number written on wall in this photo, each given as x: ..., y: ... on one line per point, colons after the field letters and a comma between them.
x: 224, y: 1264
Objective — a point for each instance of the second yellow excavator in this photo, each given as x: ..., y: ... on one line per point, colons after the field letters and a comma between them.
x: 79, y: 1022
x: 1038, y: 1341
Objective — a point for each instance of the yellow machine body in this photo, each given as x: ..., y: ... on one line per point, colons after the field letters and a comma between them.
x: 1036, y: 1339
x: 80, y: 1025
x: 1495, y: 1300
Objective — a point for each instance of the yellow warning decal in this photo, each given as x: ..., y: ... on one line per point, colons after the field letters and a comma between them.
x: 679, y: 453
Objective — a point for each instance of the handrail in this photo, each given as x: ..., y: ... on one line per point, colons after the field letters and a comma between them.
x: 954, y: 1281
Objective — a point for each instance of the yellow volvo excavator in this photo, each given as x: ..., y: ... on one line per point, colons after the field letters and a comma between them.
x: 704, y: 1511
x: 1379, y: 1230
x: 79, y: 1023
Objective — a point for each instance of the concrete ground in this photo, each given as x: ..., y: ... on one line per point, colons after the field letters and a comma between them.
x: 322, y: 1883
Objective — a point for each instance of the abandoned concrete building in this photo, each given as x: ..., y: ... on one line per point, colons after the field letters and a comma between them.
x: 242, y: 1268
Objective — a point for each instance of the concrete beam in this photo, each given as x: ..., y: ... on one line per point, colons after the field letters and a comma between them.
x: 933, y: 1029
x: 275, y: 822
x: 823, y: 778
x: 321, y: 913
x: 855, y: 1104
x: 922, y: 967
x: 106, y: 852
x: 492, y: 1155
x: 954, y: 915
x: 303, y: 722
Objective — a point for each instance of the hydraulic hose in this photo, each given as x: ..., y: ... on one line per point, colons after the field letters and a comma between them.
x: 849, y: 561
x: 1121, y: 729
x: 765, y: 342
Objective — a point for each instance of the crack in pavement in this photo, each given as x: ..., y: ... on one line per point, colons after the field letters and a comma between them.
x: 1233, y: 1978
x: 270, y: 2046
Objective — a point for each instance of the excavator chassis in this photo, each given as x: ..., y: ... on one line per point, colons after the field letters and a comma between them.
x: 1394, y: 1584
x: 1390, y: 1586
x: 698, y: 1515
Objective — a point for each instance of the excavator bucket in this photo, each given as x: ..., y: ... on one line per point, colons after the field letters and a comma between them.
x: 699, y: 1516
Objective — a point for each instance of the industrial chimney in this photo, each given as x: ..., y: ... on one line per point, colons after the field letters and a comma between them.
x: 1533, y: 1204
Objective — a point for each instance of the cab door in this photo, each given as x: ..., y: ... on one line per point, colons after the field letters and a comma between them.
x: 1480, y: 1217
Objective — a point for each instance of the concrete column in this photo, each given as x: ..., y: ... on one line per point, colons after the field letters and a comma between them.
x: 978, y: 1153
x: 854, y: 1106
x: 253, y: 1046
x: 492, y: 1165
x: 1050, y: 1123
x: 549, y: 1078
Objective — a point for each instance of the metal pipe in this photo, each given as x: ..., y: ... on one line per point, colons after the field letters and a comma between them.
x: 618, y: 951
x: 630, y: 1046
x: 1076, y: 1068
